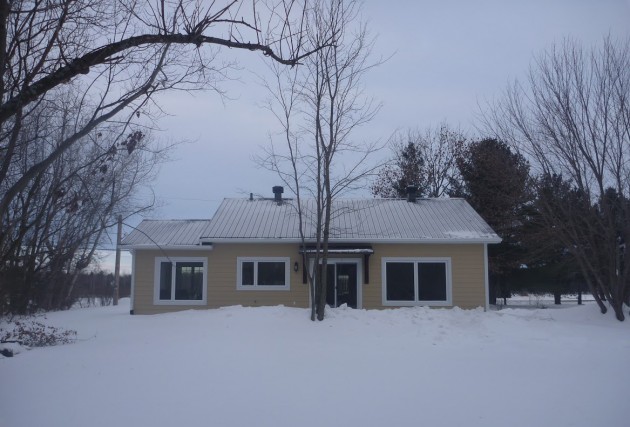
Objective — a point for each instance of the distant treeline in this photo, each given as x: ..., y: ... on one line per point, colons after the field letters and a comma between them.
x: 97, y: 288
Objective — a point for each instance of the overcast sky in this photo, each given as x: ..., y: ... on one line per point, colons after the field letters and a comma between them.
x: 448, y: 57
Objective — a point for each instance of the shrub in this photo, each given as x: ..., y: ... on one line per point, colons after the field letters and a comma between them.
x: 31, y: 333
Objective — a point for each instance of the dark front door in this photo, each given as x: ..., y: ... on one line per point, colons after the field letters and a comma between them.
x: 341, y: 284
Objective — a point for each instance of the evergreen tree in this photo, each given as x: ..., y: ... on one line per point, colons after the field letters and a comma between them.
x: 496, y: 184
x: 427, y: 161
x: 407, y: 170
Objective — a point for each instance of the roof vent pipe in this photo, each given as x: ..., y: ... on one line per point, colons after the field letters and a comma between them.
x: 277, y: 192
x: 411, y: 193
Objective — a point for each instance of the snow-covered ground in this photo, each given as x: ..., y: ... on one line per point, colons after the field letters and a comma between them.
x: 273, y: 367
x: 542, y: 301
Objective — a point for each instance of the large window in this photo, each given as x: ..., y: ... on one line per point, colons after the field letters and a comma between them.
x: 262, y: 273
x: 417, y: 281
x: 180, y: 281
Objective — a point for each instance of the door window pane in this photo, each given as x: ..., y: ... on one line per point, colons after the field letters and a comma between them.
x: 431, y: 281
x: 331, y: 299
x: 400, y: 281
x: 347, y: 284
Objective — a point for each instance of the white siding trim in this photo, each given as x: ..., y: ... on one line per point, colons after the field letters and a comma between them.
x: 255, y: 286
x: 156, y: 281
x: 485, y: 277
x: 416, y: 260
x: 132, y: 291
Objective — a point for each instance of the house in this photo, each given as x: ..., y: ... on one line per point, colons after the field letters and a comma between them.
x: 383, y: 253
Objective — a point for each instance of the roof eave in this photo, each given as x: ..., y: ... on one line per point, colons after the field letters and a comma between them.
x: 157, y: 247
x: 276, y: 240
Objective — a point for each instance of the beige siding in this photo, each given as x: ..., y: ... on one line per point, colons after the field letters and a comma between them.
x: 144, y: 263
x: 221, y: 286
x: 222, y: 268
x: 467, y: 269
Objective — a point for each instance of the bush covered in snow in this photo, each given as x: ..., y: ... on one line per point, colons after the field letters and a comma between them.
x: 31, y: 333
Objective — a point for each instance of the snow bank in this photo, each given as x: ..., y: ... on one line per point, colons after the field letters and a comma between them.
x: 271, y: 366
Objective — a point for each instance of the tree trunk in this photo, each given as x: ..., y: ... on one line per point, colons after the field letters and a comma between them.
x: 321, y: 286
x: 598, y: 300
x: 617, y: 303
x: 618, y: 309
x: 321, y: 306
x: 312, y: 283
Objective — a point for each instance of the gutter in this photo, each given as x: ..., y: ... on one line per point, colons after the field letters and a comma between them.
x: 203, y: 247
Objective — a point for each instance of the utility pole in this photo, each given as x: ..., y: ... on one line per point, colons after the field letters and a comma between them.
x: 117, y: 267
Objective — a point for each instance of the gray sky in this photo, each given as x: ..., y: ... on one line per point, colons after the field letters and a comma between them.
x: 448, y: 57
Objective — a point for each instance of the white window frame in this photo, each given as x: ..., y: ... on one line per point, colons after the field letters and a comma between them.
x: 174, y: 260
x: 256, y: 286
x: 416, y: 261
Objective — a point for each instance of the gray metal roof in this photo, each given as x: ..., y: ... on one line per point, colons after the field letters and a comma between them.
x: 165, y: 233
x: 353, y: 220
x: 363, y: 220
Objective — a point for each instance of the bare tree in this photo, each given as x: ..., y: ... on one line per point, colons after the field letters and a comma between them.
x: 572, y: 118
x: 118, y: 54
x: 55, y: 224
x: 319, y: 106
x: 78, y: 86
x: 441, y: 147
x: 426, y: 160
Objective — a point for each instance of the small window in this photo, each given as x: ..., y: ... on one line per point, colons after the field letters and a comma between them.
x: 416, y: 281
x: 180, y: 281
x: 262, y: 273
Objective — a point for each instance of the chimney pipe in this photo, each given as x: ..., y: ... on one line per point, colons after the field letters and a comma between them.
x: 411, y: 193
x: 277, y: 192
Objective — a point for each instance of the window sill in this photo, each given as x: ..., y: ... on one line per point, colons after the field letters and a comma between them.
x: 417, y: 303
x: 180, y: 302
x: 262, y: 288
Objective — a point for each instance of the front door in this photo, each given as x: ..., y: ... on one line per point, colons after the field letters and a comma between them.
x: 341, y: 284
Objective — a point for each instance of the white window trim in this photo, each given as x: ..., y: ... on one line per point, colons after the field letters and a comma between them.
x: 173, y: 260
x: 255, y: 286
x: 416, y: 260
x: 485, y: 277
